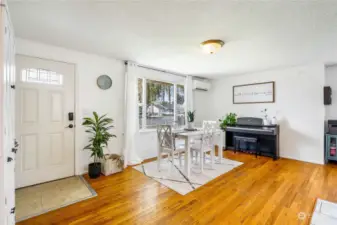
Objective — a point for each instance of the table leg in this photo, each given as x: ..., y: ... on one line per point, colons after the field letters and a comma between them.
x: 158, y: 157
x: 220, y: 147
x: 212, y: 157
x: 187, y: 157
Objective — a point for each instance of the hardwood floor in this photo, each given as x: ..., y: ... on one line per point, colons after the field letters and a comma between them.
x: 261, y: 191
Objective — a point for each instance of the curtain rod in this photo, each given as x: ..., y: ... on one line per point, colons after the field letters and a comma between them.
x: 156, y: 69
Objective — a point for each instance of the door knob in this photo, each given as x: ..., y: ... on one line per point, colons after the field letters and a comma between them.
x: 70, y: 126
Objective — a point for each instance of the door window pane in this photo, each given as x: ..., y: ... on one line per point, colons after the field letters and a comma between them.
x: 32, y: 75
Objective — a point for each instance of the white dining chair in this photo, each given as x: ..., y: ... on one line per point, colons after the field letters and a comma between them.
x: 206, y: 144
x: 209, y: 123
x: 167, y: 145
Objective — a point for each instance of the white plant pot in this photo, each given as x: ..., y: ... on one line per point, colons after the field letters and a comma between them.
x: 109, y: 166
x: 190, y: 125
x: 266, y: 122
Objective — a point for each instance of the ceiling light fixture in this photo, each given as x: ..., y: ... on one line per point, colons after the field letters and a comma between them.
x: 212, y: 46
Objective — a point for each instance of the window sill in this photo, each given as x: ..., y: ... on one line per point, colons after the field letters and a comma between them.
x: 147, y: 130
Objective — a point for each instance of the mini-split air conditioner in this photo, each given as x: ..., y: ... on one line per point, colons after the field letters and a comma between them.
x: 201, y: 85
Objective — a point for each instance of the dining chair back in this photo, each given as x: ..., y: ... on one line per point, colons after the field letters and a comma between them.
x: 207, y: 137
x: 165, y: 137
x: 167, y: 145
x: 209, y: 123
x: 206, y: 144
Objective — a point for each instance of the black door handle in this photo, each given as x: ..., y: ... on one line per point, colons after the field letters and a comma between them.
x: 70, y: 126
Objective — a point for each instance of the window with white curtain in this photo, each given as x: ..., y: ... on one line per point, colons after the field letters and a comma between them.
x: 160, y: 103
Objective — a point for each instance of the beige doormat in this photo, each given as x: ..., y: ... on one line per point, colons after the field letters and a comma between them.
x: 38, y: 199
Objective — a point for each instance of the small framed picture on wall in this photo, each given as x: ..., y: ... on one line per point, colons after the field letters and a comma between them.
x: 254, y: 93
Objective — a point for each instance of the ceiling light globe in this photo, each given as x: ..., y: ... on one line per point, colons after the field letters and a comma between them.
x: 212, y: 46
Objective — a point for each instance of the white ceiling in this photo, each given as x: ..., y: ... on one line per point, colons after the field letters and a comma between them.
x: 165, y: 34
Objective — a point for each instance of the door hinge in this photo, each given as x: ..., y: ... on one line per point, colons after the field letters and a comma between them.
x: 13, y: 86
x: 9, y: 159
x: 13, y: 210
x: 16, y: 143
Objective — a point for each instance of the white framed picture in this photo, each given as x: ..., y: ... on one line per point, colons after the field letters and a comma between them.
x: 254, y: 93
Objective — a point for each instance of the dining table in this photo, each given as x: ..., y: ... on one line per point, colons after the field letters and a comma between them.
x: 188, y: 136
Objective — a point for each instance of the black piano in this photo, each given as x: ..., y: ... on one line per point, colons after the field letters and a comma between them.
x: 250, y: 135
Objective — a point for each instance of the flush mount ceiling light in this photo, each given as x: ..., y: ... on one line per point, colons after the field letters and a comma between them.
x: 212, y: 46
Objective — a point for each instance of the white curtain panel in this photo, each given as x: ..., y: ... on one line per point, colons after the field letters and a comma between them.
x: 131, y: 115
x: 189, y: 93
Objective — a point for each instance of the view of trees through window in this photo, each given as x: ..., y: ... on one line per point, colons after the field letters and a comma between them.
x: 160, y: 103
x: 180, y: 105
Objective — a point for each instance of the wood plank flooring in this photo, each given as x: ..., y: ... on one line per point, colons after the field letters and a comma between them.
x: 261, y: 191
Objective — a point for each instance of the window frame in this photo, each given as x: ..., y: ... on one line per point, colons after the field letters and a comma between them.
x: 143, y: 104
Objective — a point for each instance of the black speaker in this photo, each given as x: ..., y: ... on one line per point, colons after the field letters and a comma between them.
x: 327, y: 95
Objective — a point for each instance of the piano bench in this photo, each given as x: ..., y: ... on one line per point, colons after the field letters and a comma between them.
x: 239, y: 139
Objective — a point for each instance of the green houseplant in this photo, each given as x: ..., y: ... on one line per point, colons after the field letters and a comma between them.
x: 98, y: 127
x: 228, y: 120
x: 190, y: 118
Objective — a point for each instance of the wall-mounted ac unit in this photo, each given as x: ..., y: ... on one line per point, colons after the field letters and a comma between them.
x: 201, y: 85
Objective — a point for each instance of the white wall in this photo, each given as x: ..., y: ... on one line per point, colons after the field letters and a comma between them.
x: 331, y: 80
x: 202, y: 112
x: 298, y: 107
x: 88, y: 96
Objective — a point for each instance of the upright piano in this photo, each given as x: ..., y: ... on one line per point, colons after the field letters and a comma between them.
x: 267, y: 137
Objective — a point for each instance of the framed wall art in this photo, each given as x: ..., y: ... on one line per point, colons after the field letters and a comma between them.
x: 254, y: 93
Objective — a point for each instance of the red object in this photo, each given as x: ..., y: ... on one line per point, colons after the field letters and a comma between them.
x: 333, y: 151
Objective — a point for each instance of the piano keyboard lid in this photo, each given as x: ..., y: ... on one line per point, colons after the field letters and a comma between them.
x: 251, y: 122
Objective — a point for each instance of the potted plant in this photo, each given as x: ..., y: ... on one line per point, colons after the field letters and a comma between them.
x: 98, y: 127
x: 229, y: 120
x: 190, y: 119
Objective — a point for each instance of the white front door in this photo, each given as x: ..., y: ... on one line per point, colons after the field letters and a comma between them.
x: 44, y: 99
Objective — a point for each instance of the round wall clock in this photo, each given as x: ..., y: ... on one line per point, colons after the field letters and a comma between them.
x: 104, y: 82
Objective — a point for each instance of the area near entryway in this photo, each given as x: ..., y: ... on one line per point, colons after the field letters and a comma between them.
x: 173, y: 112
x: 45, y: 96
